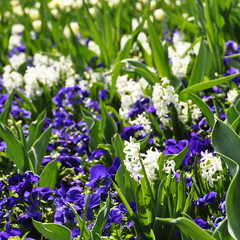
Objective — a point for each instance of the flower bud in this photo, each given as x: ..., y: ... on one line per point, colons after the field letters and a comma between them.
x: 37, y: 25
x: 159, y: 14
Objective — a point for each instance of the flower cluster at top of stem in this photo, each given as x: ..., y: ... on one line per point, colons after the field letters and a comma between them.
x: 133, y: 159
x: 209, y: 166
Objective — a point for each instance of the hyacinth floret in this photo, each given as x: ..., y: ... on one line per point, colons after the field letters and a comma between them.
x: 209, y: 166
x: 133, y: 160
x: 169, y: 166
x: 164, y: 97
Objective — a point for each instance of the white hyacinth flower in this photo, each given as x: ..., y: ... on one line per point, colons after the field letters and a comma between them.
x: 169, y: 166
x: 210, y: 165
x: 130, y: 92
x: 232, y: 95
x: 133, y: 163
x: 146, y: 124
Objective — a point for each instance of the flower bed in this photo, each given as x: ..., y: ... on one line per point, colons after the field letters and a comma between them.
x: 119, y: 119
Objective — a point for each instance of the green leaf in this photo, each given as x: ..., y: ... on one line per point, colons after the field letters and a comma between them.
x: 203, y: 107
x: 53, y: 231
x: 233, y: 56
x: 205, y: 85
x: 144, y: 213
x: 178, y: 127
x: 188, y: 227
x: 48, y: 177
x: 38, y: 150
x: 179, y: 157
x: 199, y: 66
x: 143, y: 143
x: 7, y: 108
x: 84, y: 231
x: 181, y: 194
x: 126, y: 183
x: 233, y: 198
x: 15, y: 149
x: 124, y: 200
x: 159, y: 53
x: 143, y: 71
x: 35, y: 129
x: 227, y: 144
x: 30, y: 105
x: 122, y: 55
x: 101, y: 220
x: 226, y: 141
x: 232, y: 114
x: 127, y: 206
x: 96, y: 35
x: 221, y: 232
x: 94, y: 126
x: 108, y: 125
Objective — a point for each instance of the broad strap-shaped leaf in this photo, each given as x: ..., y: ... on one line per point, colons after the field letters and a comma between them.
x: 15, y: 149
x: 221, y: 232
x: 7, y: 108
x: 35, y: 129
x: 199, y: 66
x: 181, y: 193
x: 48, y: 177
x: 95, y: 128
x: 38, y: 150
x: 123, y: 55
x: 205, y: 85
x: 132, y: 215
x: 108, y: 125
x: 226, y: 141
x: 84, y: 231
x: 125, y: 182
x: 179, y: 157
x: 159, y: 53
x: 143, y: 71
x: 203, y: 107
x: 177, y: 125
x: 30, y: 105
x: 96, y: 35
x: 101, y: 220
x: 53, y: 231
x: 188, y: 228
x: 144, y: 212
x: 227, y: 144
x: 233, y: 198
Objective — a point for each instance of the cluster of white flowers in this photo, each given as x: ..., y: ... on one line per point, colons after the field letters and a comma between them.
x: 111, y: 3
x: 232, y: 95
x: 210, y: 165
x: 163, y: 95
x: 48, y: 72
x: 17, y: 7
x: 146, y: 124
x: 65, y: 5
x: 180, y: 56
x: 11, y: 79
x: 130, y: 92
x: 44, y: 70
x: 16, y: 36
x: 185, y: 109
x: 133, y: 164
x: 169, y: 166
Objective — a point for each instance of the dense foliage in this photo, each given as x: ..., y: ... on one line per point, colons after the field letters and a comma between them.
x: 119, y: 119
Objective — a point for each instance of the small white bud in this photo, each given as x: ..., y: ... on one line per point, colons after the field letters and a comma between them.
x: 37, y: 25
x: 34, y: 14
x: 159, y: 14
